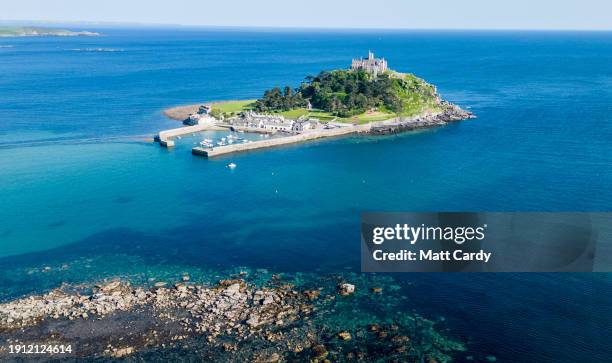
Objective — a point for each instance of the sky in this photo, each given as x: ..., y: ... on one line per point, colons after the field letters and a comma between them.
x: 389, y: 14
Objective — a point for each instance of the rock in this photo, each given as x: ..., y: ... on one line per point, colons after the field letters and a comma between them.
x: 400, y: 339
x: 122, y: 352
x: 230, y: 282
x: 346, y: 289
x: 344, y: 335
x: 111, y: 286
x: 319, y: 351
x: 374, y: 327
x: 268, y: 300
x: 232, y: 289
x: 185, y: 278
x: 272, y: 358
x: 312, y: 294
x: 377, y: 290
x: 253, y: 321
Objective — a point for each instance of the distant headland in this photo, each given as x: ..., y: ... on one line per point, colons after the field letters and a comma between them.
x: 368, y: 97
x: 9, y: 32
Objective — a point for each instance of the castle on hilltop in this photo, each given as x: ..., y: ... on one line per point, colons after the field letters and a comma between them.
x: 373, y: 66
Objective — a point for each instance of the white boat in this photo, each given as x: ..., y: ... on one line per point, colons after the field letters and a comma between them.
x: 231, y: 165
x: 230, y: 141
x: 221, y: 143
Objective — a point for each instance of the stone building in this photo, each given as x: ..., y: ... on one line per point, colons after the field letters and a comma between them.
x: 372, y: 65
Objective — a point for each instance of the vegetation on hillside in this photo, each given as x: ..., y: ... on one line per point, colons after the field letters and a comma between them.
x: 346, y: 93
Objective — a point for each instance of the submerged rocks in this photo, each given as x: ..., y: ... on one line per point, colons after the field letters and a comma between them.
x: 312, y: 294
x: 344, y: 335
x: 346, y: 289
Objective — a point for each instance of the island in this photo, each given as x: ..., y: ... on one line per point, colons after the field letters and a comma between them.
x: 367, y: 98
x: 9, y: 32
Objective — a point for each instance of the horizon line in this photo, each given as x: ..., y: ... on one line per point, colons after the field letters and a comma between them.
x: 119, y: 24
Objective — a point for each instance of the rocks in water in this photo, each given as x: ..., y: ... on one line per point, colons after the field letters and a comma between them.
x: 400, y: 339
x: 344, y: 335
x: 346, y: 289
x: 235, y: 319
x: 312, y: 294
x: 449, y: 113
x: 110, y: 286
x: 374, y: 327
x: 122, y: 352
x: 267, y: 358
x: 377, y: 290
x: 319, y: 351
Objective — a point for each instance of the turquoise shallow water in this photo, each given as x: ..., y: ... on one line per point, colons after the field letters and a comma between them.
x: 80, y: 187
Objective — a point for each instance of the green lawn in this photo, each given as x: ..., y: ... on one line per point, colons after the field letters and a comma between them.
x: 233, y: 106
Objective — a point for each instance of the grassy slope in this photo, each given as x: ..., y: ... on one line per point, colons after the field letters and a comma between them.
x: 418, y: 96
x: 233, y: 106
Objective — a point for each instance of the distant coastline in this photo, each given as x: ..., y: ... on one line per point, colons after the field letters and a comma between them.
x: 14, y: 32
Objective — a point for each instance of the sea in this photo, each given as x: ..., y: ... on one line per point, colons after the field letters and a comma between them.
x: 85, y: 195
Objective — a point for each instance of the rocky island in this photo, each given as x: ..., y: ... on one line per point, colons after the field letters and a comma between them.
x: 367, y: 98
x: 8, y: 32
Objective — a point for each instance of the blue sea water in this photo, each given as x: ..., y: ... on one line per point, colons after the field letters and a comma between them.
x: 79, y: 183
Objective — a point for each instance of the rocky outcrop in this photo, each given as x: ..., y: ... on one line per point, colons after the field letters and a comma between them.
x: 450, y: 113
x: 232, y: 320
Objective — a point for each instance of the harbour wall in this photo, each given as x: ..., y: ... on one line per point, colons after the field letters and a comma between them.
x: 312, y: 135
x: 165, y: 137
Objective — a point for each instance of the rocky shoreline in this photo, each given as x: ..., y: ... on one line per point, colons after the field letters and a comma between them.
x: 450, y: 113
x: 232, y: 320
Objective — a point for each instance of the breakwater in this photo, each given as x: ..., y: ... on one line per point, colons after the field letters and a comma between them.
x: 312, y: 135
x: 166, y: 137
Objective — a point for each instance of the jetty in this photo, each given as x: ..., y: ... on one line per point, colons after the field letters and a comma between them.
x: 279, y: 141
x: 166, y: 137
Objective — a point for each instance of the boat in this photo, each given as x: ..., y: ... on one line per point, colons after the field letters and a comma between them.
x: 231, y: 165
x: 221, y: 143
